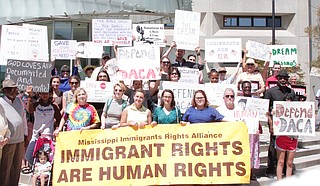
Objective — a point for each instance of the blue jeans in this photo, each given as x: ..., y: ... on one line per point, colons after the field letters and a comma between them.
x: 29, y: 151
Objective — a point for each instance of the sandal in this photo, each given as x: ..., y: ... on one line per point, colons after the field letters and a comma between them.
x: 26, y: 170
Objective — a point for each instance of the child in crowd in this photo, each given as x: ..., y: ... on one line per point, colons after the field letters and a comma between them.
x: 42, y: 168
x: 213, y: 76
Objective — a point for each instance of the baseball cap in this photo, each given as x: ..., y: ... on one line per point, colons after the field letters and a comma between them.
x: 105, y: 54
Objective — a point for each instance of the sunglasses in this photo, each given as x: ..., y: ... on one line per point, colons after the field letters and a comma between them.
x: 223, y: 72
x: 250, y: 64
x: 118, y: 90
x: 74, y: 83
x: 64, y: 71
x: 165, y: 62
x: 229, y: 96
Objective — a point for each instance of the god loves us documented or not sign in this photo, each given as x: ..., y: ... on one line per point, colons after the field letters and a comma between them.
x: 33, y: 73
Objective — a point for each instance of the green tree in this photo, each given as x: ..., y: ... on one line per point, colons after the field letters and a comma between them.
x: 314, y: 33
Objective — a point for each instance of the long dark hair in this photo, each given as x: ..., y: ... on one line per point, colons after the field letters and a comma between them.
x: 173, y: 103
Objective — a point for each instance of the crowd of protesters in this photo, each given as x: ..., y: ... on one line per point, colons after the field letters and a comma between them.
x: 130, y: 105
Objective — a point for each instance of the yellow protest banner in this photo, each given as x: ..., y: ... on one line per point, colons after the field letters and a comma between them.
x: 210, y: 153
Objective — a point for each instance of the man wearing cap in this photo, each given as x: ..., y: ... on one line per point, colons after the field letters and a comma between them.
x: 110, y: 65
x: 86, y: 72
x: 222, y: 75
x: 180, y: 61
x: 13, y: 151
x: 281, y: 92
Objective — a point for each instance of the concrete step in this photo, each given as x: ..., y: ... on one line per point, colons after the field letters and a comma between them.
x: 307, y: 161
x: 305, y: 151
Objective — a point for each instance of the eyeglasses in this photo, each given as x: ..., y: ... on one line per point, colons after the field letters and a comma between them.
x: 65, y: 71
x: 117, y: 90
x: 250, y: 64
x: 74, y: 83
x: 229, y: 96
x: 199, y: 98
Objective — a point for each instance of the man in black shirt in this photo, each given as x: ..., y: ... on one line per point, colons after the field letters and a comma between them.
x: 281, y: 92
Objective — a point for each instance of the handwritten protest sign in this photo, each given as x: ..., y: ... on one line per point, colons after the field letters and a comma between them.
x: 251, y: 110
x: 189, y: 75
x: 13, y: 43
x: 140, y: 62
x: 148, y: 34
x: 294, y: 118
x: 285, y: 55
x: 186, y: 29
x: 215, y: 91
x: 97, y: 91
x: 37, y: 42
x: 108, y: 32
x: 86, y: 49
x: 63, y: 49
x: 23, y: 43
x: 183, y: 92
x: 26, y: 73
x: 165, y: 155
x: 258, y: 50
x: 223, y: 50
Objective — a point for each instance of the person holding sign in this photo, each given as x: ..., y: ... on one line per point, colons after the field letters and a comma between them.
x: 286, y: 147
x: 200, y: 111
x: 250, y: 75
x: 167, y: 113
x: 136, y: 115
x: 278, y: 93
x: 79, y: 115
x: 46, y: 119
x: 64, y: 75
x: 253, y: 138
x: 180, y: 61
x: 222, y: 74
x: 113, y: 108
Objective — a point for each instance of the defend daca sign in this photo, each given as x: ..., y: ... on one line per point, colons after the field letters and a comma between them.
x: 167, y: 154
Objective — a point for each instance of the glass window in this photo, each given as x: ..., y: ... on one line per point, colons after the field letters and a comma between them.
x: 259, y: 21
x: 245, y: 21
x: 230, y: 21
x: 62, y: 30
x: 277, y: 21
x: 80, y: 31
